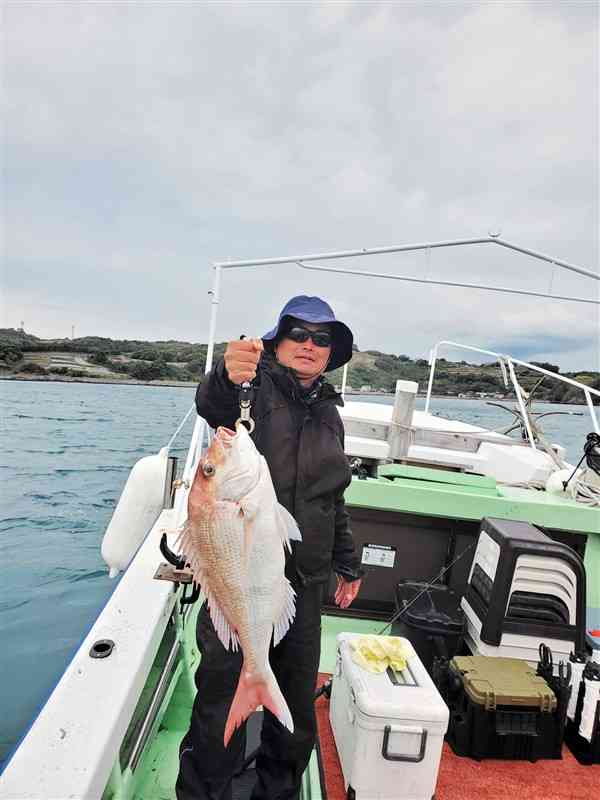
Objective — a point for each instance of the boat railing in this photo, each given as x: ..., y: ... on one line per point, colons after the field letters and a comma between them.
x: 507, y: 366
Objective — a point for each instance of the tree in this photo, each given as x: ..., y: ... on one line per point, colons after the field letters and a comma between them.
x: 10, y: 355
x: 546, y: 366
x: 33, y: 368
x: 98, y: 358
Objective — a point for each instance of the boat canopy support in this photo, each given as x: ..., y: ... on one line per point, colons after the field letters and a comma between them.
x: 305, y: 261
x: 301, y: 260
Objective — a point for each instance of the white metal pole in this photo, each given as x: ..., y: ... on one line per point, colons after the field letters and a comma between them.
x: 588, y: 398
x: 432, y: 360
x: 200, y: 424
x: 368, y: 251
x: 187, y: 474
x: 213, y: 318
x: 344, y: 378
x: 411, y: 279
x: 515, y: 383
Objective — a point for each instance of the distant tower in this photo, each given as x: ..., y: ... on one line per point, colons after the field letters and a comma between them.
x: 22, y: 328
x: 72, y: 331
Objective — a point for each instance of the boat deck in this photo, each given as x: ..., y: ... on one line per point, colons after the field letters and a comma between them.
x: 459, y: 778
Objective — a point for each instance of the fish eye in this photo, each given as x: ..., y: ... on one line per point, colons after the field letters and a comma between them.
x: 208, y: 469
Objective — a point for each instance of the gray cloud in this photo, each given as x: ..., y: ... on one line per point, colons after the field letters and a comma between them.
x: 144, y: 141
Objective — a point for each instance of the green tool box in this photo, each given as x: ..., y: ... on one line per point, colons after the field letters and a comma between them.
x: 501, y: 708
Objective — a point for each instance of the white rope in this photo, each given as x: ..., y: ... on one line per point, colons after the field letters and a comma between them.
x: 586, y: 494
x: 181, y: 424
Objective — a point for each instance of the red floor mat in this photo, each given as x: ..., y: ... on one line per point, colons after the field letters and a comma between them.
x: 466, y: 779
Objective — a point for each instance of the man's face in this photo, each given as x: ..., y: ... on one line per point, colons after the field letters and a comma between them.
x: 306, y: 358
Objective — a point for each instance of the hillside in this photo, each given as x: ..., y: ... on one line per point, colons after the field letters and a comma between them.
x: 107, y: 359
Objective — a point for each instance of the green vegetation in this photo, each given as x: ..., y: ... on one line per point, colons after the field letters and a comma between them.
x: 114, y: 359
x: 32, y: 368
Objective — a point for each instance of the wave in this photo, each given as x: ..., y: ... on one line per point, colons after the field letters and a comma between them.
x: 60, y: 452
x: 52, y: 419
x: 71, y: 575
x: 112, y: 468
x: 46, y: 523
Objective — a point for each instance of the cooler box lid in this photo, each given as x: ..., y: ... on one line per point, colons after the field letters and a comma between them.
x: 409, y: 695
x: 491, y: 681
x: 436, y: 611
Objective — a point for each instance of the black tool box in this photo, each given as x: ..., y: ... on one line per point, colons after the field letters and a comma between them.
x: 586, y: 750
x: 501, y: 708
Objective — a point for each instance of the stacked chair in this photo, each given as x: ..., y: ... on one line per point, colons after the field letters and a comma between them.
x: 524, y: 589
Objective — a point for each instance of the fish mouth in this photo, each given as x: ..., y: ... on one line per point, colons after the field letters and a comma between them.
x: 225, y: 436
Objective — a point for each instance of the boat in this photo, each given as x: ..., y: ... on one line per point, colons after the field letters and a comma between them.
x: 421, y: 487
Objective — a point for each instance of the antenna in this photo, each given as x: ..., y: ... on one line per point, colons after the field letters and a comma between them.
x: 72, y: 331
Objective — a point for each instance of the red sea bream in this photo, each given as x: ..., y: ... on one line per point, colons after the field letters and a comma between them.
x: 234, y: 540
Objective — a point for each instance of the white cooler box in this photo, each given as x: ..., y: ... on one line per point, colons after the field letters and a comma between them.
x: 388, y: 730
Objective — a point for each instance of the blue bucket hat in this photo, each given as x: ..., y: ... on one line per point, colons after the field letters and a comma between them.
x: 313, y: 309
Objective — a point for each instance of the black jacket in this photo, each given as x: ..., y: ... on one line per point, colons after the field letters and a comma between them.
x: 301, y: 436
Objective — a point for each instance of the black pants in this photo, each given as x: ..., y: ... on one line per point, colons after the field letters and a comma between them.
x: 206, y: 767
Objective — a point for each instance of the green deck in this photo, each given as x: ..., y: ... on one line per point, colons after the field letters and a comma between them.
x: 155, y: 777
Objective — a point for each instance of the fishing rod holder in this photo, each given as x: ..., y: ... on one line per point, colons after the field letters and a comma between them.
x: 177, y: 572
x: 177, y: 561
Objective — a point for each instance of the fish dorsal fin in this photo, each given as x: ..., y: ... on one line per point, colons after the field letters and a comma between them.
x: 288, y: 527
x: 282, y: 625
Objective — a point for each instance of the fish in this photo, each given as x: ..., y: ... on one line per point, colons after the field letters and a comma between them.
x: 234, y: 540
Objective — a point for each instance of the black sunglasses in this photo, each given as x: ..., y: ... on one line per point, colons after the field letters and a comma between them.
x: 300, y: 335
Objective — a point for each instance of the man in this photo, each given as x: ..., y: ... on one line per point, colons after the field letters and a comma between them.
x: 300, y: 433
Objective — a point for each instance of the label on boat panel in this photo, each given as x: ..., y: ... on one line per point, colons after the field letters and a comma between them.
x: 378, y: 555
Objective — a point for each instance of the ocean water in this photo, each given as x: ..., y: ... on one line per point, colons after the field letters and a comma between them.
x: 65, y: 452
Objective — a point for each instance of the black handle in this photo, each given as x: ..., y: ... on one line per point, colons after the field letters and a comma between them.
x: 172, y: 558
x: 413, y: 759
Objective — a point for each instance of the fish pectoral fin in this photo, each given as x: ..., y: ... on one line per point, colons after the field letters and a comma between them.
x: 227, y: 635
x: 261, y: 494
x: 288, y: 527
x: 282, y: 625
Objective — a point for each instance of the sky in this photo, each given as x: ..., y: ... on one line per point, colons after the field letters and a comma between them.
x: 144, y: 141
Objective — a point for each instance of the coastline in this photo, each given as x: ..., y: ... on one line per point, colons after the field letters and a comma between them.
x: 114, y: 382
x: 194, y: 384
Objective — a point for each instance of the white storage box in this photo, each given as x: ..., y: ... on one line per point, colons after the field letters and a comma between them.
x: 388, y: 728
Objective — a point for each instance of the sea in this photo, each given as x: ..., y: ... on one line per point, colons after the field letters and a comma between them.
x: 65, y: 453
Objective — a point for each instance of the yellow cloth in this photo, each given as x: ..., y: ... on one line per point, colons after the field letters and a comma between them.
x: 377, y: 653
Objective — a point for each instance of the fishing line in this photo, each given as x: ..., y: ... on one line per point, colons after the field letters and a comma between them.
x: 326, y: 687
x: 432, y: 583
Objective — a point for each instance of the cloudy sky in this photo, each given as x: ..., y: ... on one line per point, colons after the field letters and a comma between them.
x: 143, y: 141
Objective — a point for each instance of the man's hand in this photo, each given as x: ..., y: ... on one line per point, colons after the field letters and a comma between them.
x: 241, y: 359
x: 346, y: 591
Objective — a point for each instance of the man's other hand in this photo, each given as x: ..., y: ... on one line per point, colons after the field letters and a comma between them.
x: 346, y: 591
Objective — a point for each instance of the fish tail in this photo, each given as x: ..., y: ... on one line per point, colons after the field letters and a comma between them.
x: 254, y: 690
